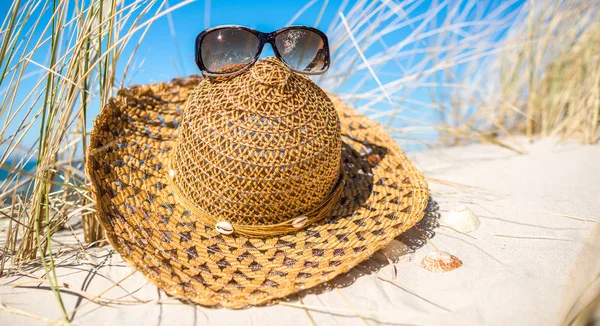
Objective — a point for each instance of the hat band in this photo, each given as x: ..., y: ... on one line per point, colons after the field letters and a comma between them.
x: 316, y: 214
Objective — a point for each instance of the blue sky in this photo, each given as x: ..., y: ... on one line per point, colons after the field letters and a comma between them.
x: 189, y: 21
x: 163, y: 56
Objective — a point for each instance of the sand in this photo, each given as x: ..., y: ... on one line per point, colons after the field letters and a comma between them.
x: 536, y: 252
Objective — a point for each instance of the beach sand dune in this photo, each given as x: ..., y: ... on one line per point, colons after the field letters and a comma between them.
x: 535, y: 253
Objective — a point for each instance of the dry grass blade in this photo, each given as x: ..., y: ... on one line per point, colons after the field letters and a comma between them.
x: 572, y: 217
x: 95, y: 298
x: 531, y: 237
x: 312, y: 321
x: 407, y: 317
x: 409, y: 291
x: 12, y: 310
x: 357, y: 312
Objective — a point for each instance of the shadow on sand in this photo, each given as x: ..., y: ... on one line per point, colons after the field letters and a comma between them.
x: 401, y: 248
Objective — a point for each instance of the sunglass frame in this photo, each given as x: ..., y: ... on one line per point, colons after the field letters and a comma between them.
x: 263, y: 39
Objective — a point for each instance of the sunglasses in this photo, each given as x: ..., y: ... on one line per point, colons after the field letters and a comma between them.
x: 229, y: 50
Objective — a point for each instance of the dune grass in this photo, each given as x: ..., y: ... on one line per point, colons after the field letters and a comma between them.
x: 463, y: 72
x: 550, y: 86
x: 488, y: 71
x: 81, y: 43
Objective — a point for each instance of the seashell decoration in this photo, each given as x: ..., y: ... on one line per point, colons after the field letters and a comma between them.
x: 224, y: 227
x: 461, y: 218
x: 300, y: 221
x: 440, y: 262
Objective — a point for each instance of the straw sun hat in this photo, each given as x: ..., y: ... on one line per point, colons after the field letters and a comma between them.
x: 238, y: 191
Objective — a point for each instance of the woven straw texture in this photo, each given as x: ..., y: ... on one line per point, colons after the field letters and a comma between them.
x: 258, y: 150
x: 219, y: 157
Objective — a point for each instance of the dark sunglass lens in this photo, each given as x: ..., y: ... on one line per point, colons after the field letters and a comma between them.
x: 303, y: 49
x: 228, y: 50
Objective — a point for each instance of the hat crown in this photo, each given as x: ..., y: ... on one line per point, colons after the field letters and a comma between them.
x: 259, y: 148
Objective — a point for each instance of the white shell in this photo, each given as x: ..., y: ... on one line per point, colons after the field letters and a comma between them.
x: 171, y: 173
x: 224, y: 227
x: 440, y: 262
x: 461, y: 218
x: 300, y: 221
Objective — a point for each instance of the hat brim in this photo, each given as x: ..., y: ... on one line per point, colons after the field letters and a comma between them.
x: 127, y: 163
